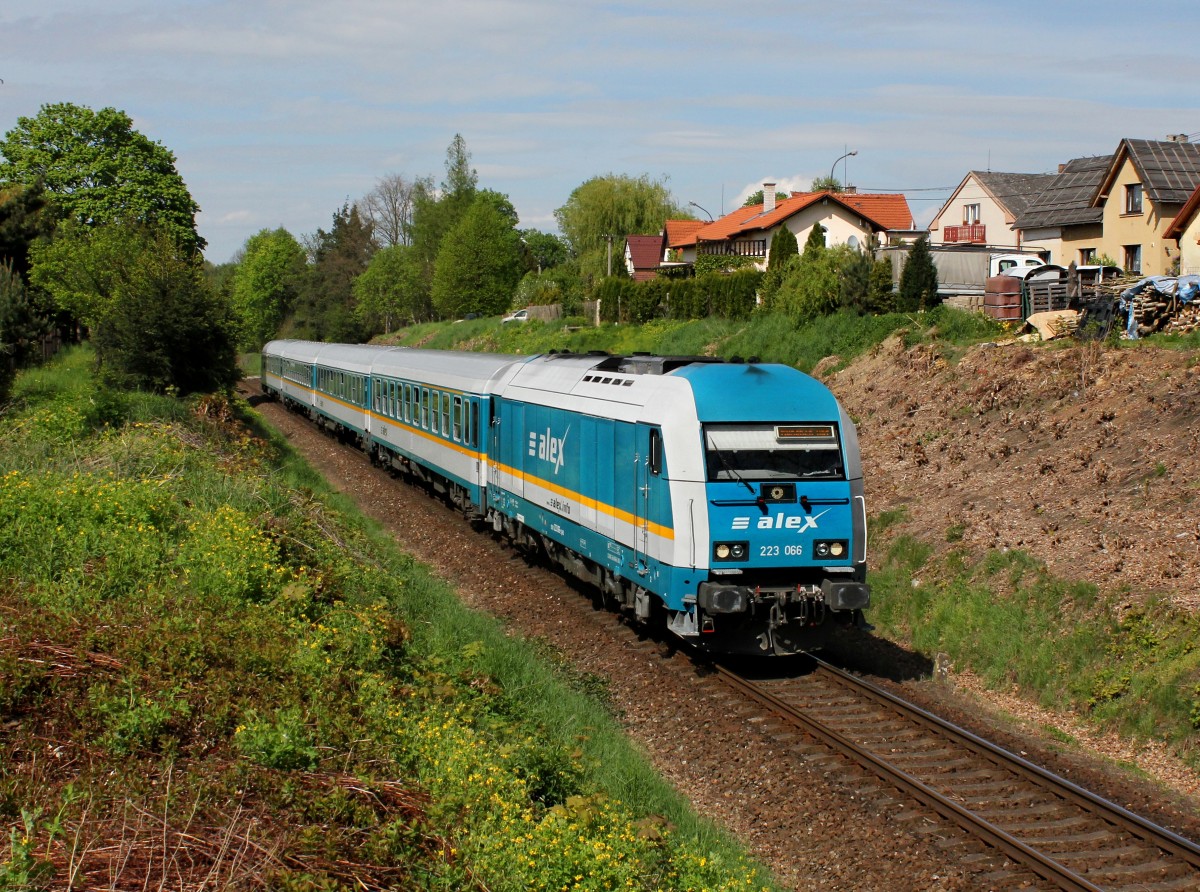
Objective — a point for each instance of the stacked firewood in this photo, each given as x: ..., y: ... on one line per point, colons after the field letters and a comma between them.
x: 1156, y: 307
x: 1186, y: 320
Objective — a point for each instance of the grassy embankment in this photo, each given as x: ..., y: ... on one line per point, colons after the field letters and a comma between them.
x: 1137, y: 672
x: 214, y: 673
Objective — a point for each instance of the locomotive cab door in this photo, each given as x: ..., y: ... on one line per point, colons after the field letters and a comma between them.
x: 648, y: 461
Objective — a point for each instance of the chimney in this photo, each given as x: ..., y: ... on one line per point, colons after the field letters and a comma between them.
x: 768, y: 197
x: 1177, y: 137
x: 1061, y: 168
x: 849, y: 190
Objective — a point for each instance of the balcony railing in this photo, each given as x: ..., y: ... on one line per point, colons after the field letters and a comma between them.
x: 971, y: 233
x: 749, y: 247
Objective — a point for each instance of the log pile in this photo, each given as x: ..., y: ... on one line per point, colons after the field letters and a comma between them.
x: 1157, y: 307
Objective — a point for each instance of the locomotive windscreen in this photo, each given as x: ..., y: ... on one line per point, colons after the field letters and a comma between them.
x: 773, y: 452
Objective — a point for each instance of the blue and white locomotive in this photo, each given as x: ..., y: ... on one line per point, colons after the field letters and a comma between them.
x: 723, y: 499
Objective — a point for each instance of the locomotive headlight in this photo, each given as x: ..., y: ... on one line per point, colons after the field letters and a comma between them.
x: 831, y: 548
x: 730, y: 551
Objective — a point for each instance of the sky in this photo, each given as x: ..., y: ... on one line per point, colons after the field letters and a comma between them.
x: 279, y: 112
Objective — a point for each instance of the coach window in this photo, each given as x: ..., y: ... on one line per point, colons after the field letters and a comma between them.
x: 445, y: 414
x: 458, y: 419
x: 423, y: 397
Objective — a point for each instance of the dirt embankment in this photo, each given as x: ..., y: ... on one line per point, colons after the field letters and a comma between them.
x: 1086, y: 457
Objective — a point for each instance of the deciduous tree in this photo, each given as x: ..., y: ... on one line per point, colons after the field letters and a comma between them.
x: 100, y: 170
x: 265, y: 284
x: 156, y: 324
x: 389, y: 207
x: 479, y: 265
x: 392, y: 290
x: 601, y: 212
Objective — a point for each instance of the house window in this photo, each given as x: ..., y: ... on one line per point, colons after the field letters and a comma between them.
x: 1133, y: 198
x: 970, y: 214
x: 1133, y: 258
x: 1087, y: 256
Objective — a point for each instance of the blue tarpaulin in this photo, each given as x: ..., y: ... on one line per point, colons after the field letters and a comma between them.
x: 1185, y: 288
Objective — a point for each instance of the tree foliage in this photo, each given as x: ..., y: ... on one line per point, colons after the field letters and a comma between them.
x: 784, y: 249
x: 543, y: 250
x: 83, y: 267
x: 22, y: 325
x: 881, y: 298
x: 918, y: 279
x: 601, y: 212
x: 265, y: 284
x: 25, y: 216
x: 480, y: 262
x: 156, y: 324
x: 814, y: 245
x: 826, y: 184
x: 823, y: 281
x: 325, y: 301
x: 100, y: 170
x: 167, y: 331
x: 436, y: 212
x: 389, y: 208
x: 392, y: 290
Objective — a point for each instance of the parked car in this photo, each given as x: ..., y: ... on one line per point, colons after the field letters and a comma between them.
x: 518, y: 316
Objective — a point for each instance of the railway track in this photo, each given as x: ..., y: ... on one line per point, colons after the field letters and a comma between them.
x: 1045, y: 825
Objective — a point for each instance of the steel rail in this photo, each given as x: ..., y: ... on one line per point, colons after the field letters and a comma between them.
x: 1135, y: 824
x: 1043, y: 866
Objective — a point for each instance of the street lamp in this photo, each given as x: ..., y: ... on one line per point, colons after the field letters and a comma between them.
x: 706, y: 213
x: 835, y: 164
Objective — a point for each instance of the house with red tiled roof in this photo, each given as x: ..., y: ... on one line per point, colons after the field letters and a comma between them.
x: 643, y: 256
x: 848, y: 218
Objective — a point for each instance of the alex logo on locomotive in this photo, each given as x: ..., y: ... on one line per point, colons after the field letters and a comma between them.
x: 549, y: 448
x: 780, y: 521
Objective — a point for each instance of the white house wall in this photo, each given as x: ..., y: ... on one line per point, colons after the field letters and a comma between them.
x: 1189, y: 250
x: 840, y: 226
x: 998, y: 227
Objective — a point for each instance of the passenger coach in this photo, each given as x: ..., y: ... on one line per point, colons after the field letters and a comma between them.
x: 724, y: 499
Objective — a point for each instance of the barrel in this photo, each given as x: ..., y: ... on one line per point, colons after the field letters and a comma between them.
x: 1002, y: 298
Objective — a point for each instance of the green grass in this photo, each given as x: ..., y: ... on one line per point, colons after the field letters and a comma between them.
x: 768, y: 337
x: 226, y: 659
x: 1004, y: 616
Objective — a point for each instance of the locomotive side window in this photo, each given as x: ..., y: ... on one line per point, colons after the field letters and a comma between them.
x: 773, y: 451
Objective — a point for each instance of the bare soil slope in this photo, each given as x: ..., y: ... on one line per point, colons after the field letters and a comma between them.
x: 1086, y: 457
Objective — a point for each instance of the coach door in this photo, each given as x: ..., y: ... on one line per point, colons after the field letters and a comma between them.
x: 506, y: 457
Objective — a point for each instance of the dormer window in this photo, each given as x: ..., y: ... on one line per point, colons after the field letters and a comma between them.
x: 1133, y: 198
